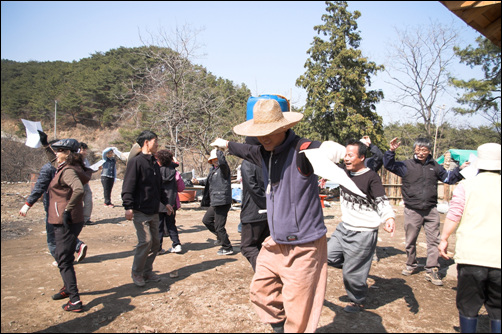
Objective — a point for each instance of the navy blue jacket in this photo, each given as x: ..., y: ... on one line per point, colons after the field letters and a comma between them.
x: 42, y: 185
x: 420, y: 182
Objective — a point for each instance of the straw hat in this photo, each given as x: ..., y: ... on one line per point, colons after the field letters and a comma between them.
x: 488, y: 157
x: 268, y: 118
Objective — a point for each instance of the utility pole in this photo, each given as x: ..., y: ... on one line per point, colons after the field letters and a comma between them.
x: 437, y: 128
x: 55, y: 117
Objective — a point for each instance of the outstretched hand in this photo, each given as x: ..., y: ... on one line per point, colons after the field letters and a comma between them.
x: 394, y: 144
x: 220, y: 143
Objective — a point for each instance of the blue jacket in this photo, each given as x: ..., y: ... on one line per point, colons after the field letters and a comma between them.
x: 294, y: 210
x: 42, y: 185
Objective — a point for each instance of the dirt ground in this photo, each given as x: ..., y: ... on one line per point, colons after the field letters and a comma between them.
x: 211, y: 292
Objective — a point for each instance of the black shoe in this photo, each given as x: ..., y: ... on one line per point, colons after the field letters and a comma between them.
x: 89, y: 223
x: 62, y: 294
x: 73, y: 307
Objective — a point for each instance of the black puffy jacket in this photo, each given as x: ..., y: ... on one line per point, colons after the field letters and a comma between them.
x: 217, y: 185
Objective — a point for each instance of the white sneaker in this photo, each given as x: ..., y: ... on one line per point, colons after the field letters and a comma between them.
x: 55, y: 263
x: 176, y: 249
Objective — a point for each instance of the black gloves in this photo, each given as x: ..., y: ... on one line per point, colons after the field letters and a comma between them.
x: 67, y: 219
x: 43, y: 138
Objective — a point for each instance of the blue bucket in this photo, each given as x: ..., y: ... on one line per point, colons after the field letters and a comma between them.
x: 283, y: 102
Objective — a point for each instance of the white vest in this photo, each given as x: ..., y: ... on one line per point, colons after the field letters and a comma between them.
x: 478, y: 234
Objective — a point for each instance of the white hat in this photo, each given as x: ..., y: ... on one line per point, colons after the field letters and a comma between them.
x: 212, y: 156
x: 488, y: 157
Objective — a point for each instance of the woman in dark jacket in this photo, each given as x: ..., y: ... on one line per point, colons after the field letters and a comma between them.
x: 66, y: 213
x: 171, y: 185
x: 218, y: 196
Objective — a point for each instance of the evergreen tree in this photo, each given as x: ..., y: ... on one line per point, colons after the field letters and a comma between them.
x: 482, y: 96
x: 339, y: 105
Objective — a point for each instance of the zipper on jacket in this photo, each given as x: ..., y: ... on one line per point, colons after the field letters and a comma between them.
x: 269, y: 189
x: 56, y: 206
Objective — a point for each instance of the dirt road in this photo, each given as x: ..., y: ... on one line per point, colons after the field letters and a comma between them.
x: 211, y: 292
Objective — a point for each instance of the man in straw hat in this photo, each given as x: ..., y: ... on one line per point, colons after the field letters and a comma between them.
x: 289, y: 284
x: 475, y: 209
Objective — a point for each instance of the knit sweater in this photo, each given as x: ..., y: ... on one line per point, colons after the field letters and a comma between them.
x: 365, y: 214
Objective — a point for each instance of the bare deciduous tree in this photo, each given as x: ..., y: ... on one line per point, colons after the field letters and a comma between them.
x: 174, y: 97
x: 419, y: 70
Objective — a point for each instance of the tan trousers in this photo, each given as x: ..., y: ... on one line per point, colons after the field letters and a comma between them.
x: 290, y: 283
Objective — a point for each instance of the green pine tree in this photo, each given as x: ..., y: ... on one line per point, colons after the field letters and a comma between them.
x: 339, y: 106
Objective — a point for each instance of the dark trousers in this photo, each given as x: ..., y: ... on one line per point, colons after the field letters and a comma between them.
x: 215, y: 220
x: 478, y: 286
x: 167, y: 225
x: 66, y: 241
x: 252, y: 236
x: 107, y: 183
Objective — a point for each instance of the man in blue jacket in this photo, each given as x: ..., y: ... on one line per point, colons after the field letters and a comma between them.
x: 289, y: 285
x: 420, y: 177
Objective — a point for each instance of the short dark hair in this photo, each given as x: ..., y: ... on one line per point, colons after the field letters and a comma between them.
x: 165, y: 157
x: 145, y: 135
x: 83, y: 146
x: 362, y: 148
x: 425, y: 142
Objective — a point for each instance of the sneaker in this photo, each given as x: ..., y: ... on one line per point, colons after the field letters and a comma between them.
x: 138, y: 279
x: 111, y: 205
x: 151, y: 277
x: 55, y: 263
x: 162, y: 251
x: 353, y: 308
x: 62, y: 294
x: 73, y: 307
x: 225, y: 252
x: 409, y: 271
x: 176, y: 249
x: 82, y: 251
x: 433, y: 277
x: 89, y: 223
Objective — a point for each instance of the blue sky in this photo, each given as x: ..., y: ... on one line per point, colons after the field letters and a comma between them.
x: 262, y: 44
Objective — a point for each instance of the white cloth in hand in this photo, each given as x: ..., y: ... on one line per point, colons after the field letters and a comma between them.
x: 220, y: 143
x: 334, y: 151
x: 24, y: 210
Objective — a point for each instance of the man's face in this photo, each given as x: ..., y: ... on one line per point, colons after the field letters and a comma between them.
x: 152, y: 145
x: 422, y: 153
x: 353, y: 162
x: 270, y: 142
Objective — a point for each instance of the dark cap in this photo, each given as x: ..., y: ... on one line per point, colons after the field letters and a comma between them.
x: 67, y: 144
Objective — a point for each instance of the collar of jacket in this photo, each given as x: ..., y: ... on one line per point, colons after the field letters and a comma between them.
x: 290, y: 137
x: 428, y: 160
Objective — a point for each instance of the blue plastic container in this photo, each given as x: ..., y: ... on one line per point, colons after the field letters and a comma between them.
x: 283, y: 102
